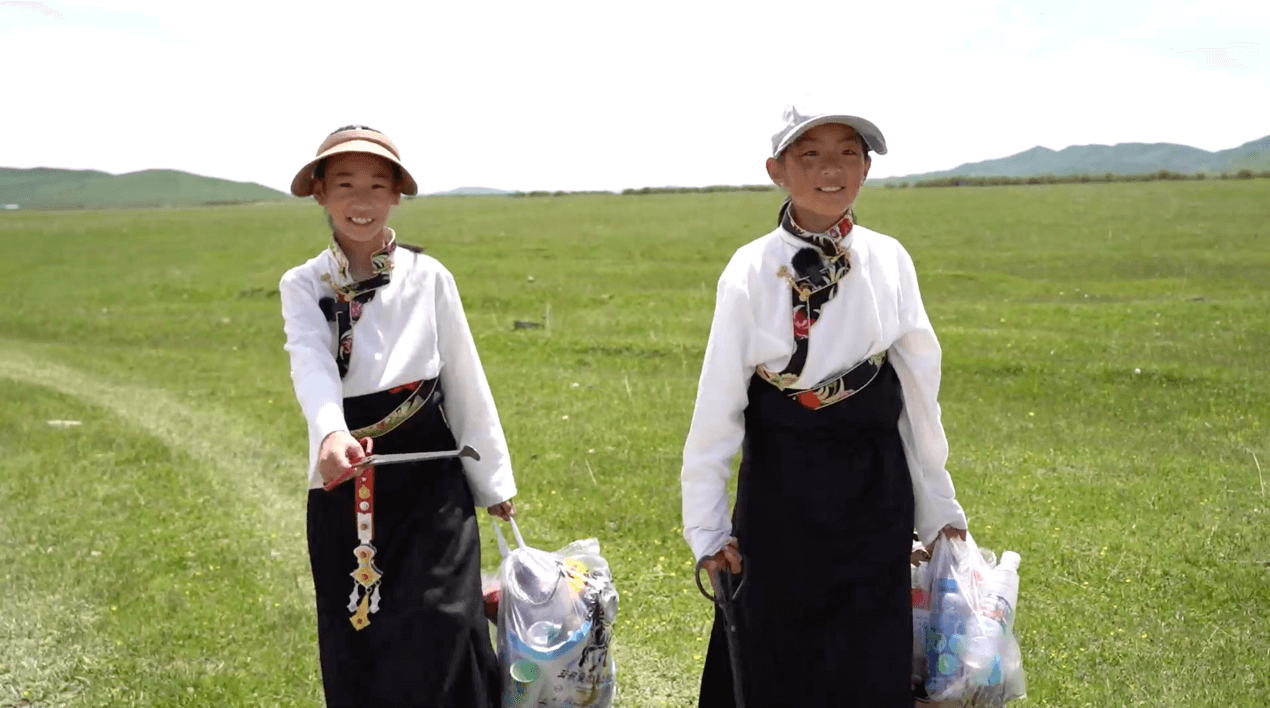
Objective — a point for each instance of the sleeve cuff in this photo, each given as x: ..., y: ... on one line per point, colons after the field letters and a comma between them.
x: 706, y: 542
x: 329, y: 419
x: 952, y: 515
x: 501, y: 488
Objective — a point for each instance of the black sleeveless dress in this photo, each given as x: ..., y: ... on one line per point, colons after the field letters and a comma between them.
x: 429, y: 643
x: 824, y: 520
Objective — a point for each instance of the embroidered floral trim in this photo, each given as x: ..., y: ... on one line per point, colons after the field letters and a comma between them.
x: 401, y: 413
x: 781, y: 381
x: 834, y: 390
x: 380, y: 263
x: 351, y: 297
x: 804, y: 288
x: 832, y: 242
x: 813, y: 277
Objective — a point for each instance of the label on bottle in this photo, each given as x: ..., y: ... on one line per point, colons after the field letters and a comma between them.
x: 921, y: 599
x: 997, y: 608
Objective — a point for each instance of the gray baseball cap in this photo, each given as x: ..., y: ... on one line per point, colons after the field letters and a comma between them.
x: 801, y: 117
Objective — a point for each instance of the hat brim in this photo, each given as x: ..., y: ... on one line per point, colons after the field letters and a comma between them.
x: 302, y: 184
x: 866, y: 129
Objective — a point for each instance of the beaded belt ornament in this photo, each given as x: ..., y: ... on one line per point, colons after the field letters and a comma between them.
x: 364, y: 599
x: 366, y: 577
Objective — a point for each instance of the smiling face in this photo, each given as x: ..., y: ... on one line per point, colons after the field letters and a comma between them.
x: 822, y: 171
x: 359, y: 191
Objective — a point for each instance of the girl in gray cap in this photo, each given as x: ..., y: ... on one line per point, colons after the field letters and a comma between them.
x: 823, y: 370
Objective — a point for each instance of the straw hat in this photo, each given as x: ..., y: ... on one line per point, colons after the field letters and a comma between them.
x: 356, y: 138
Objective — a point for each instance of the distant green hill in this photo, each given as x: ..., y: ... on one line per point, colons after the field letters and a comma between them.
x: 473, y: 192
x: 48, y: 188
x: 1122, y: 159
x: 1254, y: 155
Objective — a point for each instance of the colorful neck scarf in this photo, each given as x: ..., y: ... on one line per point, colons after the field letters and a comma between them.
x: 351, y: 296
x: 813, y: 282
x: 829, y: 243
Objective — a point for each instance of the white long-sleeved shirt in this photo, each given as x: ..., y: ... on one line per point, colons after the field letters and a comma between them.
x: 414, y: 329
x: 877, y: 308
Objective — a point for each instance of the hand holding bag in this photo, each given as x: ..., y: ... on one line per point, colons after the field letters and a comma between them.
x: 555, y: 622
x: 969, y: 654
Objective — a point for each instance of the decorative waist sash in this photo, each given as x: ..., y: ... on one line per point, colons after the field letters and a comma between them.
x: 831, y: 391
x: 364, y: 599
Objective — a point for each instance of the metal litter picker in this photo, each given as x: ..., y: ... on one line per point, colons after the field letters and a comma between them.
x: 726, y: 587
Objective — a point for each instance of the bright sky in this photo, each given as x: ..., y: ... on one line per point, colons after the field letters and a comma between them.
x: 606, y: 95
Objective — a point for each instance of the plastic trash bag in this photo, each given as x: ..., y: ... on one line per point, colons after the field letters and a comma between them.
x: 963, y: 613
x: 555, y: 623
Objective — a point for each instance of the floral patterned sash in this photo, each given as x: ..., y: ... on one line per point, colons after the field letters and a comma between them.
x: 421, y: 391
x: 817, y: 270
x: 840, y: 388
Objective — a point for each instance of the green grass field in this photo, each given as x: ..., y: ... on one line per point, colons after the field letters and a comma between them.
x: 1105, y: 396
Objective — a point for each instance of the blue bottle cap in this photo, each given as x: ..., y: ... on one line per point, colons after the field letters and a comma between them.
x: 947, y: 585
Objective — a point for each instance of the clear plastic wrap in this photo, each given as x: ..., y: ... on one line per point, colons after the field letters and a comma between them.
x: 555, y: 621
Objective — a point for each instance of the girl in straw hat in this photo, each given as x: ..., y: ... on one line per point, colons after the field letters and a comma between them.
x: 381, y: 353
x: 822, y: 369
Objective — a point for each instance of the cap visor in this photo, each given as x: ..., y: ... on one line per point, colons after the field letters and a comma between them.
x: 867, y: 130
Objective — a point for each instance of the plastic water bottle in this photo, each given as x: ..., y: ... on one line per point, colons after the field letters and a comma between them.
x: 983, y: 656
x: 998, y: 594
x: 1011, y: 660
x: 921, y: 618
x: 1013, y: 682
x: 946, y: 638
